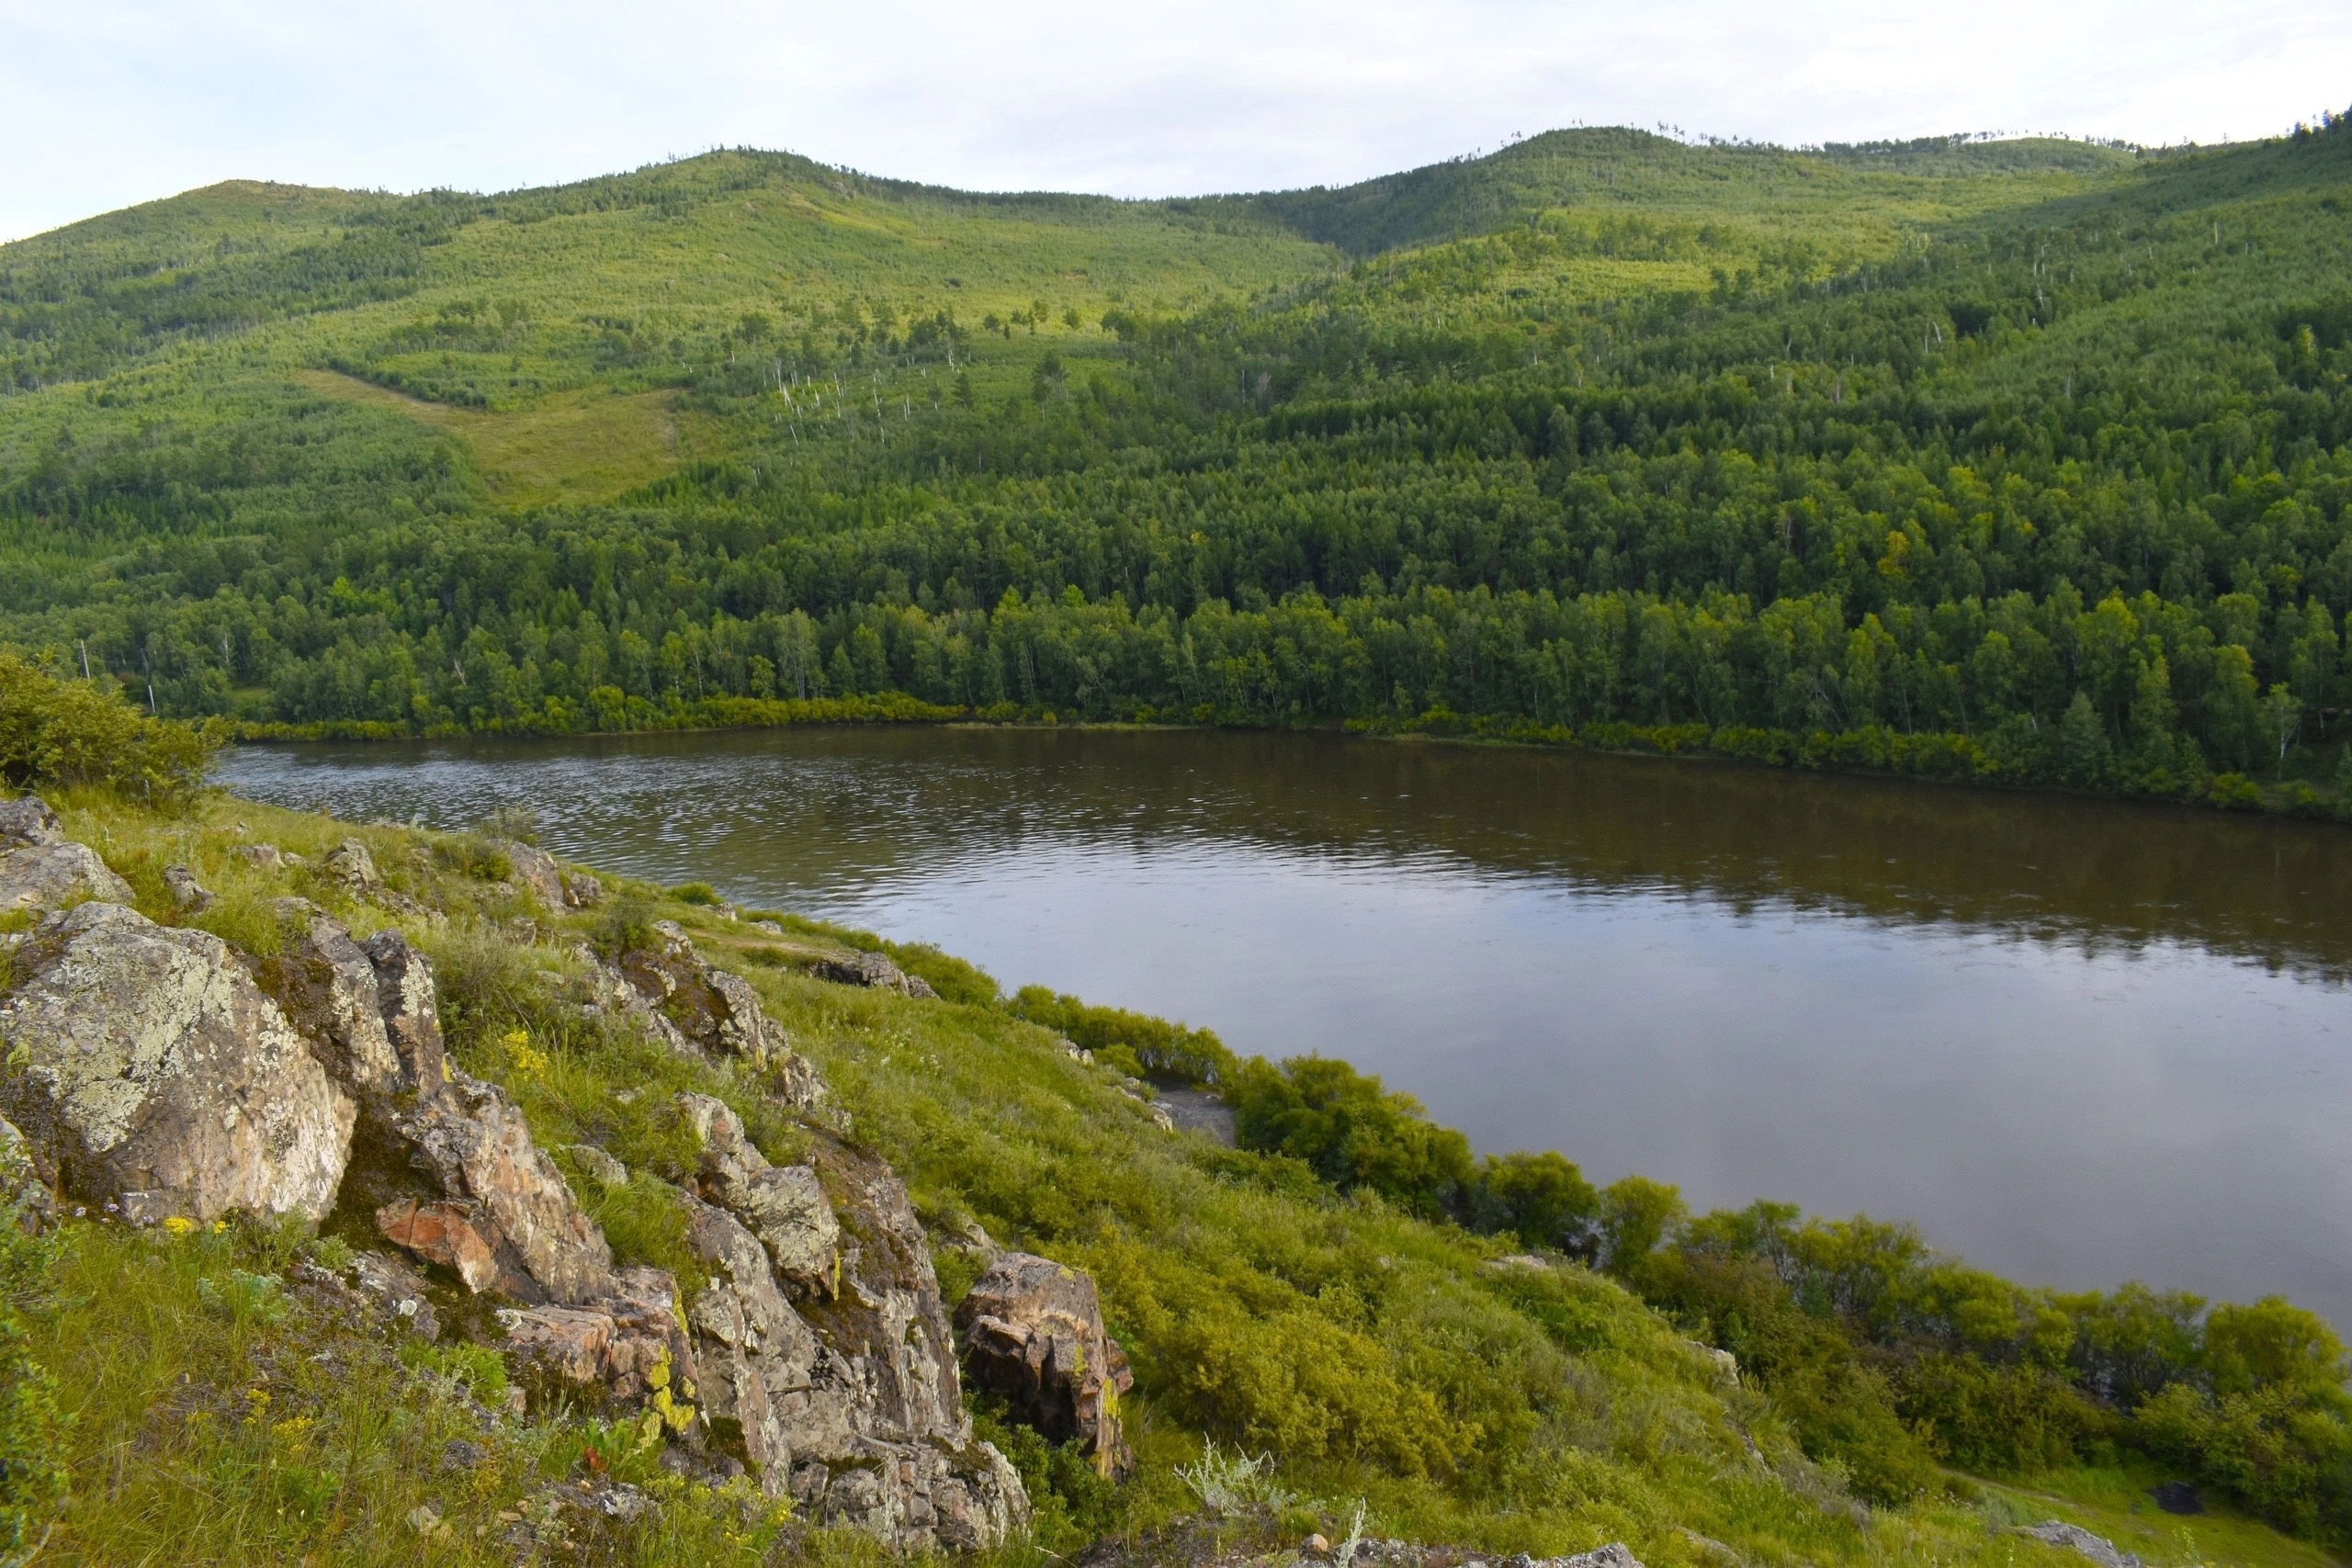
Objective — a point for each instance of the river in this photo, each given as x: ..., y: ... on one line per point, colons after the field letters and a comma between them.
x: 2077, y: 1042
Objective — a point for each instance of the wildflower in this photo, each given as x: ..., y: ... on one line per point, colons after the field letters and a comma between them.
x: 179, y: 1225
x: 526, y: 1059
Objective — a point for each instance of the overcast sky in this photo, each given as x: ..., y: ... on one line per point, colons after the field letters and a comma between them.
x: 111, y: 102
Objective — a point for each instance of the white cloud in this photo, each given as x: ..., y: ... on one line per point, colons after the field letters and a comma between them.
x: 116, y: 101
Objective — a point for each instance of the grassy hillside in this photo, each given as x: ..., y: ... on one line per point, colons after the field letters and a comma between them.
x: 2003, y: 461
x: 195, y: 1395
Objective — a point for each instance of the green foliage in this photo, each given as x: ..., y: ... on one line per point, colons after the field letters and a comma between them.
x: 1160, y: 1049
x: 33, y: 1477
x: 2022, y: 461
x: 1541, y: 1198
x: 478, y: 1367
x: 55, y: 730
x: 701, y: 894
x: 1352, y: 1133
x: 1995, y: 1419
x: 1071, y: 1504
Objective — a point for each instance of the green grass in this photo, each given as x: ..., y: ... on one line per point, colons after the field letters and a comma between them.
x: 218, y: 1412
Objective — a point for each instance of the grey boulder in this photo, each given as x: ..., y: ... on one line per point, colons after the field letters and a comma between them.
x: 40, y: 867
x: 152, y: 1070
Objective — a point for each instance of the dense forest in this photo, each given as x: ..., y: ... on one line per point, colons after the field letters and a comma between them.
x: 2021, y: 461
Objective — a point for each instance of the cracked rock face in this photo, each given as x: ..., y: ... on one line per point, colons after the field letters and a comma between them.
x: 329, y: 988
x: 630, y: 1345
x: 1032, y: 1331
x: 506, y: 1217
x: 785, y: 1207
x: 849, y: 1400
x: 154, y: 1071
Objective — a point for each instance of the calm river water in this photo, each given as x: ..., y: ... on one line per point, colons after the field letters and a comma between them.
x: 2078, y: 1042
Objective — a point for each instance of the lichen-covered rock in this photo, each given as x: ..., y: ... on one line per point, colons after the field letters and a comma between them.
x: 1033, y: 1333
x: 411, y: 1011
x: 2099, y: 1548
x: 873, y: 970
x: 399, y: 1292
x: 329, y: 990
x: 27, y: 821
x: 581, y: 891
x: 536, y: 871
x: 150, y: 1068
x: 350, y: 864
x: 785, y: 1207
x: 189, y: 896
x: 597, y: 1164
x: 261, y: 857
x: 747, y: 1340
x: 24, y: 1185
x: 41, y: 868
x: 853, y: 1405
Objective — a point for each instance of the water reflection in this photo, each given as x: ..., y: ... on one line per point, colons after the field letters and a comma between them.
x: 2077, y: 1041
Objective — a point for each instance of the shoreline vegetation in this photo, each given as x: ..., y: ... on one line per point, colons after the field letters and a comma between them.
x: 1490, y: 1351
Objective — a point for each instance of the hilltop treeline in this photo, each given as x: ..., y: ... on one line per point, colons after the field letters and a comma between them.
x: 2051, y: 494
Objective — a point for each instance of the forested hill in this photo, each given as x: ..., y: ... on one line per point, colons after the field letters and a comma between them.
x: 2014, y: 460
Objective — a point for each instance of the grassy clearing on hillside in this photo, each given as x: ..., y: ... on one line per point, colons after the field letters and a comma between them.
x: 571, y: 448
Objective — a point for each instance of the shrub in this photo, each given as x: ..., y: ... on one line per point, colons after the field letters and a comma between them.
x: 1353, y: 1133
x: 1165, y: 1050
x: 58, y: 731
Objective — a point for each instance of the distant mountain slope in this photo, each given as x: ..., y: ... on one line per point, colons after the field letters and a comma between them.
x: 1633, y: 170
x: 2021, y: 461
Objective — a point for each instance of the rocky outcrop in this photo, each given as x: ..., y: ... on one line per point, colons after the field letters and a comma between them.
x: 330, y: 989
x: 628, y: 1346
x: 41, y: 868
x: 849, y: 1399
x: 871, y: 969
x: 157, y: 1070
x: 785, y: 1207
x: 535, y: 871
x: 504, y: 1217
x: 1033, y: 1333
x: 447, y: 1167
x: 153, y: 1072
x: 714, y: 1009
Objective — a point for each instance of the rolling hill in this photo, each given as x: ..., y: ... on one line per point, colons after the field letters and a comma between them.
x: 1995, y: 460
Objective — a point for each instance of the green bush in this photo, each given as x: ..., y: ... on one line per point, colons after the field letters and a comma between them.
x: 1353, y: 1133
x: 1165, y: 1050
x: 1995, y: 1420
x: 60, y: 731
